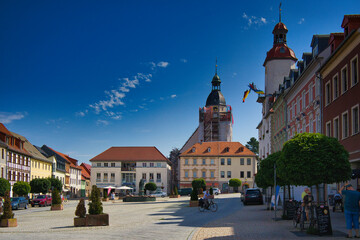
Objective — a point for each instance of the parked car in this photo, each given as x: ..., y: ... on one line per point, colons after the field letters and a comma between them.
x: 253, y: 195
x: 41, y: 200
x: 19, y: 202
x: 185, y: 191
x: 216, y: 191
x: 159, y: 194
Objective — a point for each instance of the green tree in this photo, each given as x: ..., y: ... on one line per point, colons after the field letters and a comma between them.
x: 40, y: 185
x: 265, y: 175
x: 235, y: 183
x: 4, y: 186
x: 55, y: 197
x: 253, y: 145
x: 21, y: 188
x: 95, y: 205
x: 150, y: 186
x: 81, y: 209
x: 194, y: 195
x: 8, y: 214
x: 312, y: 159
x: 199, y: 185
x: 55, y: 183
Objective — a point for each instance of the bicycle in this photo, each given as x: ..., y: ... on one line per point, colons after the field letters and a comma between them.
x: 212, y: 206
x: 299, y: 216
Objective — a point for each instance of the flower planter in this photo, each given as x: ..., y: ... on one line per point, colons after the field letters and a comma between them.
x: 97, y: 220
x: 194, y: 203
x: 174, y: 196
x: 79, y: 222
x: 57, y: 207
x: 12, y: 222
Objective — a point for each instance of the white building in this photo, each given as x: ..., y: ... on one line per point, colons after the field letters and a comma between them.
x: 125, y: 166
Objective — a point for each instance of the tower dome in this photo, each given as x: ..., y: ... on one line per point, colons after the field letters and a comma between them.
x: 215, y: 97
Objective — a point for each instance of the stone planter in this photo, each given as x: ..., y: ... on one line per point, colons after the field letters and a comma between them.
x: 79, y: 222
x: 139, y: 199
x: 174, y: 196
x: 97, y: 220
x: 12, y: 222
x: 105, y: 199
x: 57, y: 207
x: 194, y: 203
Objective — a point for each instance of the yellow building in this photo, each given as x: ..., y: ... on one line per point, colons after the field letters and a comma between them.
x: 217, y: 163
x: 41, y: 167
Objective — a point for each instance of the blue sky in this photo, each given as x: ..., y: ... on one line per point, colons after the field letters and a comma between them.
x: 82, y: 76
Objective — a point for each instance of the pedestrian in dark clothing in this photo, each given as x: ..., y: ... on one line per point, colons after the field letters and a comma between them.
x: 352, y: 201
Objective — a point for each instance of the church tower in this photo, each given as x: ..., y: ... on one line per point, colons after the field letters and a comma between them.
x: 215, y: 119
x: 280, y: 59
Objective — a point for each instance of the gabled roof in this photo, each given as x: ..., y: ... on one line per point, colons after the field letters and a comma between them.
x: 3, y: 129
x: 35, y: 153
x: 131, y: 154
x: 218, y: 149
x: 86, y: 166
x: 84, y: 173
x: 73, y: 162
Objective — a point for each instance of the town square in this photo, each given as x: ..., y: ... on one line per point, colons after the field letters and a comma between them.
x: 179, y: 120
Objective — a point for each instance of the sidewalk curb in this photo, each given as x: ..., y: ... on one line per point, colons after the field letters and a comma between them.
x: 191, y: 235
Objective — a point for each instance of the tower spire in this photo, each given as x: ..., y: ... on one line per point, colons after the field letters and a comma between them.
x: 216, y: 66
x: 280, y: 12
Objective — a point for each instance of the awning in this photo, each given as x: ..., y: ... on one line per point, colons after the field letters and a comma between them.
x: 124, y: 188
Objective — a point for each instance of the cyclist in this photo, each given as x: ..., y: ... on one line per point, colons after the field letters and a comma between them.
x: 205, y: 199
x: 337, y: 200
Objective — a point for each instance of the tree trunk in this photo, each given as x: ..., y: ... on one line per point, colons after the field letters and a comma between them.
x: 317, y: 194
x: 284, y: 189
x: 289, y: 187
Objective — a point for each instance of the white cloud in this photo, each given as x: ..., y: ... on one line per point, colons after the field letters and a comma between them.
x: 82, y: 113
x: 6, y: 117
x: 253, y: 20
x: 163, y: 64
x: 301, y: 21
x: 114, y: 99
x: 161, y: 98
x: 183, y: 60
x: 173, y: 96
x: 102, y: 123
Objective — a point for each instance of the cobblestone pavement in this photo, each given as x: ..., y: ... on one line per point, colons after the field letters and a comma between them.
x: 164, y: 219
x: 254, y: 222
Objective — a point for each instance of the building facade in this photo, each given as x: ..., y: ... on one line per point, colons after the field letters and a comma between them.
x: 217, y: 163
x: 341, y: 89
x: 126, y: 166
x: 85, y: 179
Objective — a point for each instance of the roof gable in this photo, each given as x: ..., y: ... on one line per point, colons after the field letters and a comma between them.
x: 218, y: 149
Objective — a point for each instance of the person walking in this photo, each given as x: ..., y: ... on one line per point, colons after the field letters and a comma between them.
x: 352, y: 201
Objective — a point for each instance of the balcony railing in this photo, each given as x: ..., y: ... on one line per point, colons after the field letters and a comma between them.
x: 129, y: 169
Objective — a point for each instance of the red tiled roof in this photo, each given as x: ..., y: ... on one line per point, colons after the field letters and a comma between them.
x: 280, y: 51
x: 131, y: 154
x: 280, y: 26
x: 218, y: 149
x: 84, y: 173
x: 3, y: 129
x: 68, y: 159
x: 86, y: 167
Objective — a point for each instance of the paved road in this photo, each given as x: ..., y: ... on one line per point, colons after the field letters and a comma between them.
x: 164, y: 219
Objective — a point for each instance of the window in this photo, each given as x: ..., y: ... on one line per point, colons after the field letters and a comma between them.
x: 336, y: 128
x: 144, y: 164
x: 242, y: 161
x: 98, y: 177
x: 158, y: 177
x: 248, y: 174
x: 335, y: 87
x: 151, y: 177
x: 242, y: 174
x: 223, y: 161
x: 186, y: 161
x: 112, y: 177
x: 186, y: 174
x: 212, y: 175
x: 97, y: 164
x: 222, y: 174
x: 204, y: 162
x: 229, y: 161
x: 158, y: 165
x: 310, y: 94
x: 354, y: 71
x: 327, y: 93
x: 355, y: 119
x: 328, y: 129
x: 203, y: 174
x: 249, y: 161
x: 144, y: 176
x: 105, y: 177
x: 194, y: 174
x: 303, y: 100
x: 345, y: 125
x: 112, y: 164
x: 212, y: 161
x: 151, y: 164
x: 311, y: 124
x: 344, y: 80
x: 195, y: 162
x: 229, y: 174
x: 106, y: 165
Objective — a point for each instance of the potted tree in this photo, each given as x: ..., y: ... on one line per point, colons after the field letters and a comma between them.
x: 80, y: 212
x: 7, y: 219
x: 106, y: 197
x: 235, y: 183
x: 194, y: 199
x: 96, y: 217
x: 150, y: 187
x: 56, y: 203
x: 175, y: 193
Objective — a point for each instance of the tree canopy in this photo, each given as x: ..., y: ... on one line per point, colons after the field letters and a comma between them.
x: 199, y: 183
x: 150, y: 186
x: 265, y: 175
x: 21, y: 188
x: 4, y: 186
x: 253, y: 145
x: 174, y: 155
x: 40, y: 185
x: 234, y: 182
x: 55, y: 183
x: 311, y: 159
